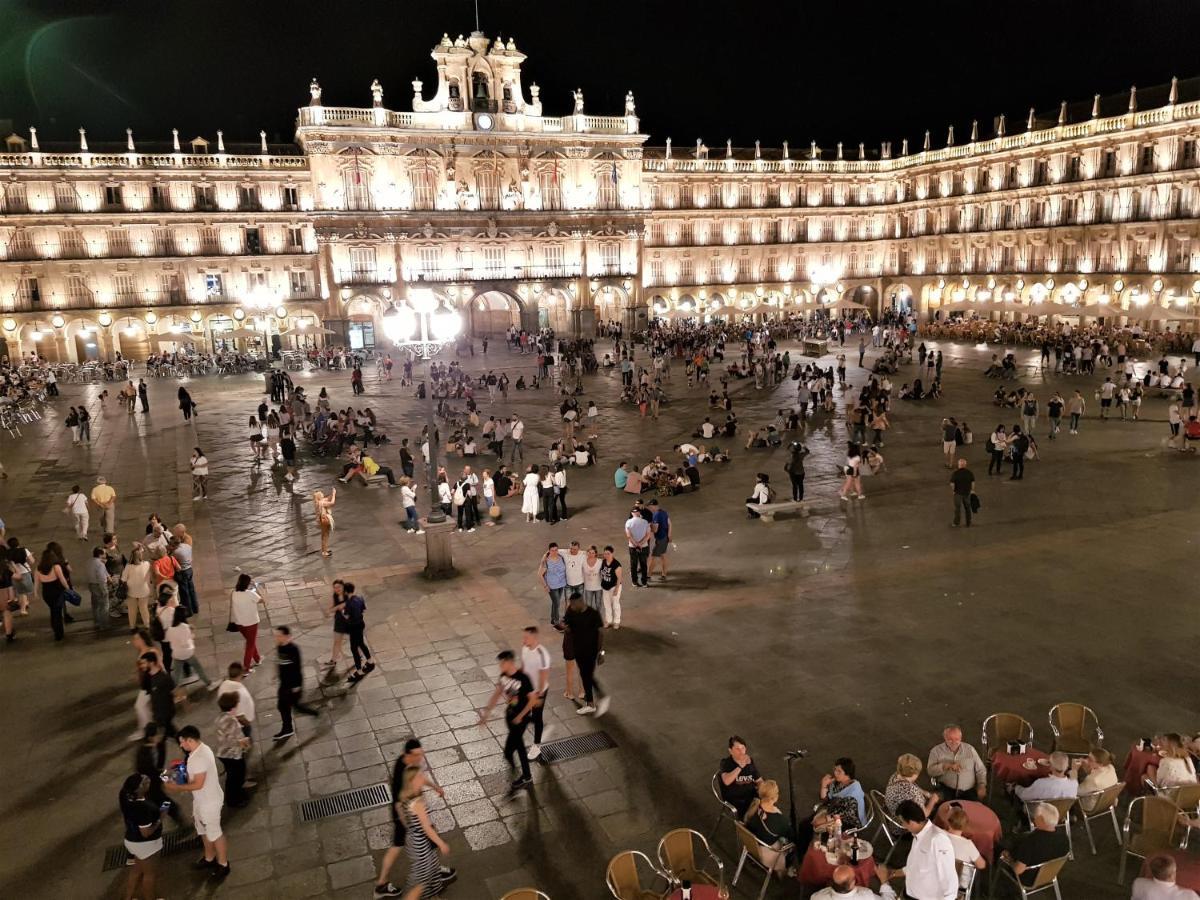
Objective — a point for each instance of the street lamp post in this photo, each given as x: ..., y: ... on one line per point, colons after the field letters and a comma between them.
x: 423, y: 327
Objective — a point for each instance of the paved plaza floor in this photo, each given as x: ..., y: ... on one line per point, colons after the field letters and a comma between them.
x: 857, y: 631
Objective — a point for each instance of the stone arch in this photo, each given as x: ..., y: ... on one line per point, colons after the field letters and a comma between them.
x: 491, y: 312
x: 899, y: 296
x: 83, y: 339
x: 131, y: 337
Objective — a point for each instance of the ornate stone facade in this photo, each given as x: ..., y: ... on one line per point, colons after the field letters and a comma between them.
x: 522, y: 218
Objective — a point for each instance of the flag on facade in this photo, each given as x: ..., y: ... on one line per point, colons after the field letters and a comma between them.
x: 614, y: 173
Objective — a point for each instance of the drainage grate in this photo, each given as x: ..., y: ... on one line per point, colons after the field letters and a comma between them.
x: 344, y: 802
x: 573, y: 747
x: 116, y: 857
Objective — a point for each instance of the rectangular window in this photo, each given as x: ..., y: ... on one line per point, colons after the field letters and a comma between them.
x: 687, y: 271
x: 112, y: 196
x: 362, y: 263
x: 745, y: 269
x: 299, y: 284
x: 28, y: 292
x: 158, y: 197
x: 1073, y: 167
x: 685, y: 195
x: 1109, y: 168
x: 214, y: 286
x: 291, y: 198
x: 247, y: 197
x: 123, y: 287
x: 424, y: 186
x: 606, y: 187
x: 656, y: 272
x: 687, y: 234
x: 487, y: 183
x: 65, y: 199
x: 168, y: 287
x: 253, y: 241
x: 610, y: 257
x: 493, y: 260
x: 551, y: 192
x: 554, y: 259
x: 118, y: 242
x: 15, y: 199
x: 430, y: 260
x: 1147, y: 161
x: 205, y: 196
x: 295, y: 238
x: 77, y: 290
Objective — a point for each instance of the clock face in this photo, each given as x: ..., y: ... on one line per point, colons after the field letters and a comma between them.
x: 484, y: 122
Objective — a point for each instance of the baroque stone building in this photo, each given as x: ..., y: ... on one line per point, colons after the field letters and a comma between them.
x: 517, y: 217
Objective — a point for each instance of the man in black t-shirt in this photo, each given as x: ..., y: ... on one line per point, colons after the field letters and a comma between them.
x: 963, y: 483
x: 1039, y: 846
x: 520, y: 699
x: 586, y: 629
x: 291, y: 682
x: 1054, y: 411
x: 739, y: 777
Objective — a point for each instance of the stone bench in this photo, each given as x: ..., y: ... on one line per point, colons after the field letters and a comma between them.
x: 375, y: 481
x: 768, y: 511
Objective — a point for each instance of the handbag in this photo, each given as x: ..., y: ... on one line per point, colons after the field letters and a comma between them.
x: 122, y: 590
x: 975, y: 504
x: 229, y: 626
x: 71, y: 596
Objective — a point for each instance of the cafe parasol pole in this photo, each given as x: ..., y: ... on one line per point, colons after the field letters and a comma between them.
x: 792, y: 756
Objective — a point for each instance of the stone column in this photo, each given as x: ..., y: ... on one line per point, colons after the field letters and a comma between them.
x: 439, y: 553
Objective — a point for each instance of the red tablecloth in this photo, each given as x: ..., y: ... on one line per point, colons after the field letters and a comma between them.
x: 983, y: 826
x: 1136, y: 764
x: 1009, y: 768
x: 699, y: 892
x: 1187, y: 869
x: 816, y: 872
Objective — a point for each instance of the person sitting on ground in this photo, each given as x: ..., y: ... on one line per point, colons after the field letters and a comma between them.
x: 1060, y: 784
x: 1099, y: 774
x: 693, y: 475
x: 729, y: 429
x: 755, y: 439
x: 1161, y: 883
x: 738, y: 777
x: 503, y: 483
x: 707, y: 429
x: 1039, y: 846
x: 680, y: 483
x: 635, y: 483
x: 773, y: 437
x: 621, y: 475
x: 903, y: 786
x: 905, y: 391
x: 469, y: 447
x: 1176, y: 767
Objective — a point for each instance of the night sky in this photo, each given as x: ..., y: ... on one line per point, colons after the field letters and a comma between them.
x: 772, y: 71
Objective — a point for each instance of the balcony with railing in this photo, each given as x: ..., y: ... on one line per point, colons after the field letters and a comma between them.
x: 377, y: 117
x: 492, y: 273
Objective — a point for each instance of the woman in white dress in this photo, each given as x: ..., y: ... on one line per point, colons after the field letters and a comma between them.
x: 529, y: 500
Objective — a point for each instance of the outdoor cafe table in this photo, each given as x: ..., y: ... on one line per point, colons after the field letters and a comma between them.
x: 1187, y: 868
x: 983, y: 825
x: 1010, y: 768
x: 816, y: 871
x: 1136, y: 764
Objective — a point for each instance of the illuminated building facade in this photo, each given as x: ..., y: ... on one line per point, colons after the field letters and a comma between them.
x: 524, y: 219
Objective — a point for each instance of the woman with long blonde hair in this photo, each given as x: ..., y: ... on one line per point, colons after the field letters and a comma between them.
x: 423, y: 843
x: 324, y: 507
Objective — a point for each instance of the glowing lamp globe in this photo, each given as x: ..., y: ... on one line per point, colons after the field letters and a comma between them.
x: 399, y: 323
x: 446, y: 323
x: 422, y: 300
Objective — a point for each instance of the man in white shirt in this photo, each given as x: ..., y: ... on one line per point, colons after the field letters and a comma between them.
x: 929, y: 872
x: 844, y: 886
x: 1161, y: 886
x: 1058, y: 785
x: 535, y: 663
x: 77, y: 508
x: 233, y: 685
x: 204, y: 784
x: 957, y: 768
x: 707, y: 429
x: 574, y: 559
x: 517, y: 434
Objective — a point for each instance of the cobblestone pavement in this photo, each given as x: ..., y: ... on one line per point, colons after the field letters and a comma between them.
x: 858, y: 630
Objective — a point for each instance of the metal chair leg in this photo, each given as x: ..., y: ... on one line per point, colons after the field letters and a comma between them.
x: 1116, y: 826
x: 738, y: 873
x: 1087, y: 826
x: 713, y: 830
x: 762, y: 892
x: 1121, y: 869
x: 1057, y: 892
x: 1070, y: 839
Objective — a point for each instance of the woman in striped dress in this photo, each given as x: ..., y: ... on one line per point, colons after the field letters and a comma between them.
x: 425, y: 877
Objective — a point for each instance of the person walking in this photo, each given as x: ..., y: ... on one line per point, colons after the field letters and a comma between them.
x: 535, y: 662
x: 243, y: 614
x: 353, y: 610
x: 949, y: 441
x: 1018, y: 447
x: 97, y: 582
x: 183, y: 650
x: 426, y: 875
x: 291, y: 682
x: 518, y: 436
x: 1054, y: 411
x: 411, y: 757
x: 1029, y: 413
x: 587, y: 640
x: 1076, y: 407
x: 72, y: 422
x: 199, y: 474
x: 105, y: 498
x: 530, y: 494
x: 143, y: 836
x: 77, y: 509
x: 85, y: 424
x: 157, y: 682
x: 519, y: 697
x: 553, y: 574
x: 181, y: 552
x: 853, y: 472
x: 638, y: 537
x: 962, y: 483
x: 52, y: 574
x: 204, y: 784
x: 186, y: 404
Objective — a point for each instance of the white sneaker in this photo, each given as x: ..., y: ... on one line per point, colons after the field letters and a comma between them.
x: 585, y: 710
x: 419, y: 531
x: 197, y: 497
x: 534, y: 751
x: 602, y: 706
